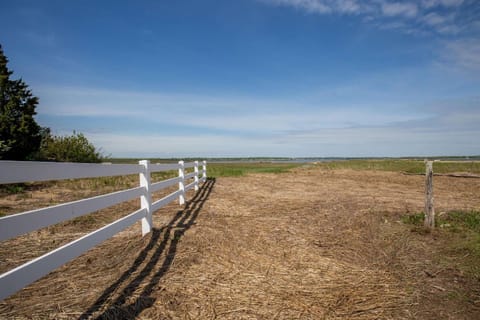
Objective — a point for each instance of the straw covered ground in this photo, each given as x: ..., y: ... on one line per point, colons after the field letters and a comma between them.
x: 312, y: 243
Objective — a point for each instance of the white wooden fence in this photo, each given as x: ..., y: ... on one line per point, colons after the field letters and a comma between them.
x: 21, y: 223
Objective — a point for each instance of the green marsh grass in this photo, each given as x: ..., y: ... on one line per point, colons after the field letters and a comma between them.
x: 222, y: 169
x: 241, y: 169
x: 461, y: 232
x: 407, y: 166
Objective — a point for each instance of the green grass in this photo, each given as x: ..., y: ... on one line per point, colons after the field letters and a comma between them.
x: 413, y: 219
x: 408, y: 166
x: 15, y: 188
x: 456, y: 221
x: 460, y: 231
x: 397, y: 165
x: 465, y: 240
x: 241, y: 169
x: 462, y: 220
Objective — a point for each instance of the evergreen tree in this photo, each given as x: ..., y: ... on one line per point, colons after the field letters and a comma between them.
x: 19, y: 133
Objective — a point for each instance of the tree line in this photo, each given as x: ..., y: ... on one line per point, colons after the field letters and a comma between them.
x: 21, y: 138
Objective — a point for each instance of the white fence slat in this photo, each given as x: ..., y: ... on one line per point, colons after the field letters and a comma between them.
x: 20, y: 223
x: 157, y: 186
x: 17, y: 224
x: 189, y: 164
x: 165, y: 200
x: 190, y: 186
x: 17, y: 278
x: 157, y: 167
x: 190, y: 175
x: 26, y: 171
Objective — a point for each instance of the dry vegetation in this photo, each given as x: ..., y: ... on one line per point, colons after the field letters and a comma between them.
x: 312, y: 243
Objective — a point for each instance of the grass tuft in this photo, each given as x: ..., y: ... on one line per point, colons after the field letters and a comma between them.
x: 463, y: 220
x: 461, y: 230
x: 415, y: 218
x: 407, y: 166
x: 14, y: 188
x: 454, y: 220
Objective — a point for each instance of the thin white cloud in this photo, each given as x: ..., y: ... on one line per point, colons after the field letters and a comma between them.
x: 326, y: 6
x: 349, y: 6
x: 406, y: 9
x: 435, y: 19
x: 419, y: 17
x: 463, y: 54
x: 446, y: 3
x: 356, y: 141
x: 399, y: 25
x: 242, y: 114
x: 443, y: 24
x: 245, y: 126
x: 154, y: 145
x: 313, y: 6
x: 449, y: 29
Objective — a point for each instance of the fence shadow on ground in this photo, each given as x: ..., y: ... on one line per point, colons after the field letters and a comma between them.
x: 124, y: 306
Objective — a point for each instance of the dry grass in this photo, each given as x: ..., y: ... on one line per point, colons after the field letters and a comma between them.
x: 314, y: 243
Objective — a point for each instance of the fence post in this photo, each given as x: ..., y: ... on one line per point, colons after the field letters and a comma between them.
x: 196, y: 176
x: 429, y: 209
x: 204, y: 169
x: 181, y: 183
x: 146, y: 198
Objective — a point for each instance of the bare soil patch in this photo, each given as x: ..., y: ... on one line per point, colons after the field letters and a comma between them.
x: 312, y: 243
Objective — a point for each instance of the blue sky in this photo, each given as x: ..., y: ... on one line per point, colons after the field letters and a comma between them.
x: 253, y: 77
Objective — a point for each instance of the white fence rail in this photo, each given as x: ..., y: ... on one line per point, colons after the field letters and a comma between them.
x: 22, y: 223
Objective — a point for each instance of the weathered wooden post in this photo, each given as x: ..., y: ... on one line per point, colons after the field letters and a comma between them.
x: 429, y: 209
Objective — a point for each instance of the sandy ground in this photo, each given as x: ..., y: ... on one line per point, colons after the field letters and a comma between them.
x: 309, y: 244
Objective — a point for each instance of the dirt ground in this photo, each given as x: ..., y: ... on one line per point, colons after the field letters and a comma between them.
x: 309, y: 244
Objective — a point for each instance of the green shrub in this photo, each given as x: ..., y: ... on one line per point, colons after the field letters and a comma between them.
x: 74, y: 148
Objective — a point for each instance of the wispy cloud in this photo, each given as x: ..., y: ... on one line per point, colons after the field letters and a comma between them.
x: 399, y: 140
x: 228, y: 113
x: 415, y: 16
x: 463, y: 54
x: 325, y: 6
x: 406, y: 9
x: 445, y: 3
x: 240, y: 126
x: 312, y: 6
x: 349, y: 6
x: 435, y: 19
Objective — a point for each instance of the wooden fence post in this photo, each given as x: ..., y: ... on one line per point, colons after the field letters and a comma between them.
x: 196, y: 176
x: 181, y: 183
x: 146, y: 198
x: 429, y: 209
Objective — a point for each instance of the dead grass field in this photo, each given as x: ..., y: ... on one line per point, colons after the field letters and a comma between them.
x: 312, y: 243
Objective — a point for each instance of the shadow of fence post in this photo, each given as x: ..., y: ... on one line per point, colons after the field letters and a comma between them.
x: 181, y: 222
